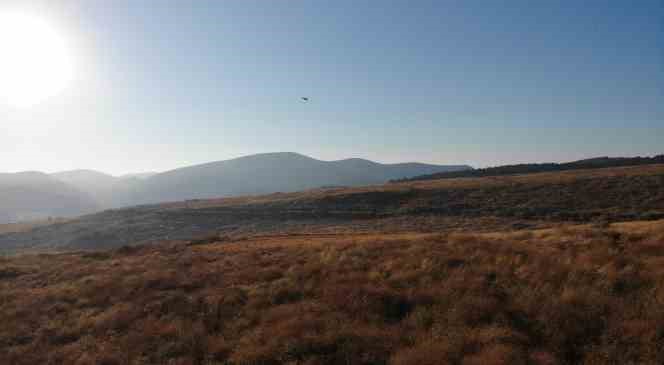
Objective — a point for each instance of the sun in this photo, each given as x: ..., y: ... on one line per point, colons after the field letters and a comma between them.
x: 35, y: 62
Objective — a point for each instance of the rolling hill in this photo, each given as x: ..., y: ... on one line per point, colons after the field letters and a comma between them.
x: 524, y: 269
x: 34, y: 195
x: 77, y: 192
x: 534, y: 200
x: 529, y: 168
x: 272, y: 172
x: 248, y: 175
x: 107, y: 190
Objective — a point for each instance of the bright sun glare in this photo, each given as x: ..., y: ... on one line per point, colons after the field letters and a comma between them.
x: 35, y: 63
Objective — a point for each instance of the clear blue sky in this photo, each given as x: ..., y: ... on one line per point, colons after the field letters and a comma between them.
x: 164, y: 84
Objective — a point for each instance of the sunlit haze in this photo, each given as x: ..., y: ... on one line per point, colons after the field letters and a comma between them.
x: 35, y: 63
x: 129, y: 86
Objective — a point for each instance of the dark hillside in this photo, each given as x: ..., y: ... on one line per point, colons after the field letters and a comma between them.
x: 592, y: 163
x: 634, y: 193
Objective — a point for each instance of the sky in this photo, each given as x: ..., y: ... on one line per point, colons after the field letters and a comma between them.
x: 164, y: 84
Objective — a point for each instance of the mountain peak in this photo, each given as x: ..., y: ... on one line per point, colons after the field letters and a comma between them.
x: 270, y: 172
x: 261, y: 173
x: 82, y: 173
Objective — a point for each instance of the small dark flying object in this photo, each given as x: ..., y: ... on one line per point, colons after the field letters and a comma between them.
x: 304, y: 98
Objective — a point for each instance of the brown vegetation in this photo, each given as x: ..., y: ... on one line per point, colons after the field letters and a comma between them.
x: 592, y: 163
x: 601, y: 195
x: 590, y: 294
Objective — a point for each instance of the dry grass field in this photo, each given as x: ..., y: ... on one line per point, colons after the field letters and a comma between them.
x: 586, y: 294
x: 543, y: 178
x: 474, y: 204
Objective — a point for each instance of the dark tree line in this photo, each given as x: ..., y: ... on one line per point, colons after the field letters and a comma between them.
x: 599, y: 162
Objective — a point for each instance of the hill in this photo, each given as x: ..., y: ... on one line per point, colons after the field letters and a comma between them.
x: 521, y: 269
x: 272, y: 172
x: 86, y: 180
x: 107, y: 190
x: 255, y: 174
x: 34, y: 195
x: 474, y: 204
x: 138, y: 175
x: 571, y: 295
x: 591, y: 163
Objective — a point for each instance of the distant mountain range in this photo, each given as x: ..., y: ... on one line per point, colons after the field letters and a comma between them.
x: 34, y: 195
x: 272, y: 172
x: 108, y: 191
x: 515, y: 202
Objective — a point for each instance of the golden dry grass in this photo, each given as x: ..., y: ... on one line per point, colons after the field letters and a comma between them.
x: 591, y: 294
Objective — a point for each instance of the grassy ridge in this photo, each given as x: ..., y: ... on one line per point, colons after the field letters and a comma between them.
x: 632, y: 193
x: 593, y: 163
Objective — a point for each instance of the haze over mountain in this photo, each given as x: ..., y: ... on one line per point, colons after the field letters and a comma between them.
x: 35, y: 195
x: 96, y: 184
x: 272, y: 172
x: 76, y: 192
x: 107, y: 190
x: 138, y: 175
x: 518, y: 201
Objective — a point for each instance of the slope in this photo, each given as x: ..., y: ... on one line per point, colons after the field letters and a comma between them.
x: 34, y: 195
x: 546, y: 199
x: 574, y: 295
x: 271, y: 172
x: 529, y: 168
